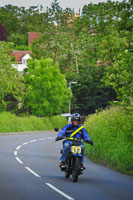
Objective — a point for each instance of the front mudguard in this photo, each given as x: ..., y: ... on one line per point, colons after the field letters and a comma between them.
x: 77, y: 154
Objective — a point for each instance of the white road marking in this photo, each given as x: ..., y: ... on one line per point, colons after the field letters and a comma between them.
x: 34, y: 173
x: 50, y: 138
x: 15, y: 153
x: 33, y: 140
x: 17, y: 158
x: 25, y: 143
x: 18, y: 147
x: 59, y: 191
x: 42, y: 139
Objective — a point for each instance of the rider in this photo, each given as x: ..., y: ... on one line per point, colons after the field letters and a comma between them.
x: 67, y: 131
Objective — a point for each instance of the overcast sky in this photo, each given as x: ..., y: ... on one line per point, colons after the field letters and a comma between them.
x: 76, y: 4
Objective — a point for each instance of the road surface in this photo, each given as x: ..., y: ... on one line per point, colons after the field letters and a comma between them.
x: 29, y: 171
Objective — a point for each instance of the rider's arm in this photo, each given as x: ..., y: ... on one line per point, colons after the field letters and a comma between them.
x: 63, y: 131
x: 85, y: 135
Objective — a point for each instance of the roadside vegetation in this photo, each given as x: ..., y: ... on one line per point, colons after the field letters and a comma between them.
x: 94, y: 50
x: 111, y: 131
x: 12, y: 123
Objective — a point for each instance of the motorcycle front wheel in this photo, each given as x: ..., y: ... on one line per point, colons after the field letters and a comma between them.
x: 68, y: 169
x: 75, y: 169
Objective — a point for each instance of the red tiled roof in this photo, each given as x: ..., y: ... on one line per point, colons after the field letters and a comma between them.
x: 32, y: 36
x: 19, y: 54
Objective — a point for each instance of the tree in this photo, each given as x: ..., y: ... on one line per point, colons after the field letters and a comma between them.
x: 18, y: 39
x: 104, y: 16
x: 11, y: 82
x: 47, y: 91
x: 86, y: 50
x: 3, y: 33
x: 9, y: 16
x: 120, y: 75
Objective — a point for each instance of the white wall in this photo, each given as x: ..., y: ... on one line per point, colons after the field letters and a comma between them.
x: 19, y: 67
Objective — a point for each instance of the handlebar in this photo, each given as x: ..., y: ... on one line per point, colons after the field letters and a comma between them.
x: 59, y: 138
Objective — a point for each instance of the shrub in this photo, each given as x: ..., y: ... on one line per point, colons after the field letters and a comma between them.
x: 111, y: 131
x: 12, y: 123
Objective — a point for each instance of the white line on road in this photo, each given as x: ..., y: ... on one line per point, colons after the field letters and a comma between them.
x: 34, y: 173
x: 42, y: 139
x: 59, y: 191
x: 50, y: 138
x: 25, y: 143
x: 19, y: 160
x: 18, y: 147
x: 15, y: 153
x: 33, y: 140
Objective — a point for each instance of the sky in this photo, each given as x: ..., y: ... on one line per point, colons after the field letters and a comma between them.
x: 76, y: 4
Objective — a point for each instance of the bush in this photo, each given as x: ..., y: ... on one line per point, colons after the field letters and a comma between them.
x: 111, y: 132
x: 12, y: 123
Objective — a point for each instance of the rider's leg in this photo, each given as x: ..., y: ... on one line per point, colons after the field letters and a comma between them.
x: 82, y: 167
x: 65, y: 151
x: 82, y: 150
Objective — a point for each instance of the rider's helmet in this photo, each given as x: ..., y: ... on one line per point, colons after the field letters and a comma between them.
x: 75, y: 117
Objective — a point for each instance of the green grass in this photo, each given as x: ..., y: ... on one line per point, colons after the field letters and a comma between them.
x: 111, y: 131
x: 12, y: 123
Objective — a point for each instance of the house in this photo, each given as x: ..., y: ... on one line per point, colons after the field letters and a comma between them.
x: 21, y: 57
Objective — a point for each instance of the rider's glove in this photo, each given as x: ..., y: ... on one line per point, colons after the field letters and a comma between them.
x: 89, y: 142
x: 58, y: 138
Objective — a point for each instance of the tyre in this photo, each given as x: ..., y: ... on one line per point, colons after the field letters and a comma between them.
x: 75, y: 169
x: 68, y: 169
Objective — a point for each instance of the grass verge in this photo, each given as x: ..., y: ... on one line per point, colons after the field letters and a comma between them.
x: 111, y: 131
x: 12, y: 123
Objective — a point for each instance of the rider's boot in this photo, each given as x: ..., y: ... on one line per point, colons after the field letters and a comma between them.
x: 82, y: 167
x: 62, y: 165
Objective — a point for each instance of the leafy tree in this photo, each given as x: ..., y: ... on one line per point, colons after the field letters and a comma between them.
x: 3, y: 33
x: 47, y: 91
x: 104, y: 16
x: 11, y: 85
x: 9, y: 16
x: 86, y: 49
x: 119, y: 76
x: 18, y: 39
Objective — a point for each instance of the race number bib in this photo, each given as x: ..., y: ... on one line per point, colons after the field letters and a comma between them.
x: 76, y: 149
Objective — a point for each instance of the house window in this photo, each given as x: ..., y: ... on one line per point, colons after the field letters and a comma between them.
x: 24, y: 61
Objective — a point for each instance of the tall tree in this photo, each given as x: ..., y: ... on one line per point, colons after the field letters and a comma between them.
x: 47, y: 91
x: 11, y: 83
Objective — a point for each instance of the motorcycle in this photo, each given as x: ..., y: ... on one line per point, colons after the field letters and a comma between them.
x: 73, y: 160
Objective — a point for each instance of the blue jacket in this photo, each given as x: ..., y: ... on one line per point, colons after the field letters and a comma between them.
x: 69, y: 129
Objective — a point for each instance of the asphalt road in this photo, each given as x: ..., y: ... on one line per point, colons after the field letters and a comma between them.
x: 29, y: 171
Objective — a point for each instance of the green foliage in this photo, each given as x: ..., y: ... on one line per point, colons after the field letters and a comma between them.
x: 120, y: 76
x: 12, y: 123
x: 47, y: 91
x: 94, y: 50
x: 111, y: 131
x: 23, y: 47
x: 105, y: 16
x: 11, y: 86
x: 18, y: 39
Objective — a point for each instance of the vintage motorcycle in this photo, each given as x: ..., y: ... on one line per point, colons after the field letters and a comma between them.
x: 73, y: 160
